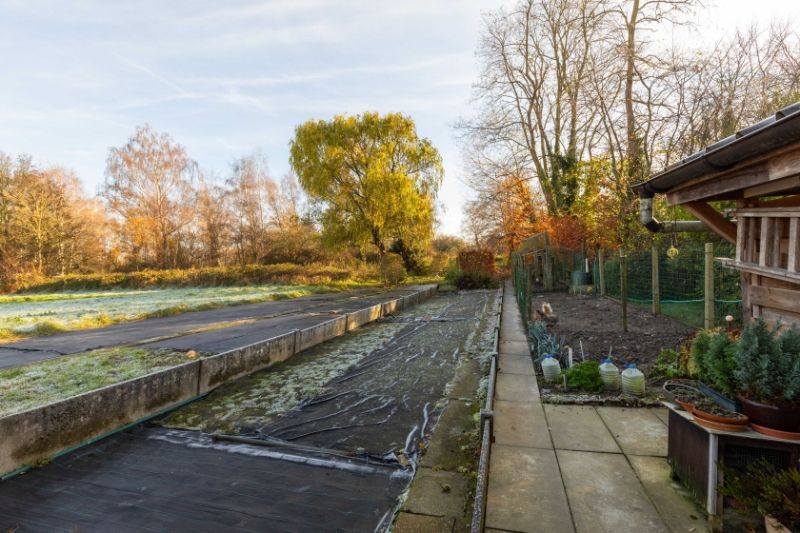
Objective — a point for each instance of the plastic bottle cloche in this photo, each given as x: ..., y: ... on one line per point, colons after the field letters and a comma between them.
x: 551, y: 368
x: 632, y: 381
x: 609, y: 373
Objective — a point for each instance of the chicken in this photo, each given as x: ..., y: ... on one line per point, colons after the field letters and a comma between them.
x: 548, y: 315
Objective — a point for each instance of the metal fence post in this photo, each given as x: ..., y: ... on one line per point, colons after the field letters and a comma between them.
x: 708, y: 320
x: 656, y: 283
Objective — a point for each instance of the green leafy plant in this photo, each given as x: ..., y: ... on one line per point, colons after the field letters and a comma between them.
x: 768, y: 365
x: 765, y: 490
x: 669, y: 364
x: 585, y: 376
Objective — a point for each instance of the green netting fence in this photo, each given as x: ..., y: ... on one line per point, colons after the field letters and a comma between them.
x: 539, y: 267
x: 681, y: 282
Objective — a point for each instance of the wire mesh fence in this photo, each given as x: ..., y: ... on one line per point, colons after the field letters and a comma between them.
x: 538, y: 266
x: 681, y: 282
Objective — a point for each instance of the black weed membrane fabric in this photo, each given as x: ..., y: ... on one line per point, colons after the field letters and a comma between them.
x: 386, y: 403
x: 338, y: 460
x: 153, y: 479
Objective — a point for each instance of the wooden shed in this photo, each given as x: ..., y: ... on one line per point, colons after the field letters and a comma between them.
x: 758, y: 170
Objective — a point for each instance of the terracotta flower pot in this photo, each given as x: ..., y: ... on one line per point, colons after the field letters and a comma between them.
x: 738, y: 419
x: 782, y: 418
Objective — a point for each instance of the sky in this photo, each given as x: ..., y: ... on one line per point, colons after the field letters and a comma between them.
x: 225, y: 79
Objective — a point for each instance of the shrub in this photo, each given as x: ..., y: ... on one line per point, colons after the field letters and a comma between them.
x: 393, y: 270
x: 766, y: 491
x: 721, y: 363
x: 698, y: 352
x: 765, y: 370
x: 585, y: 376
x: 475, y: 280
x: 478, y: 261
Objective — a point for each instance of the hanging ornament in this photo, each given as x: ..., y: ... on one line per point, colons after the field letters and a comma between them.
x: 672, y: 252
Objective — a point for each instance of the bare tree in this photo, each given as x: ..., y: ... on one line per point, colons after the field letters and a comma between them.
x: 149, y: 186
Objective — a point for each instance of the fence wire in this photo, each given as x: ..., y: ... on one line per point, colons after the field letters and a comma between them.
x: 681, y: 278
x: 681, y: 283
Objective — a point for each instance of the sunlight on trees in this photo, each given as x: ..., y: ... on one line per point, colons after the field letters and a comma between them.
x: 372, y: 180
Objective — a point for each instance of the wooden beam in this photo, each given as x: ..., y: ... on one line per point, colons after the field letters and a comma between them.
x: 770, y: 272
x: 770, y: 167
x: 772, y: 187
x: 783, y: 299
x: 786, y: 201
x: 713, y: 219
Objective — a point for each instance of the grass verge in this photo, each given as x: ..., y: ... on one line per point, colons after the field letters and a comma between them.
x: 34, y: 385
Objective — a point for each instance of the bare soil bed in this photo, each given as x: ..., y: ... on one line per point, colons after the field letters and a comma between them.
x: 596, y: 323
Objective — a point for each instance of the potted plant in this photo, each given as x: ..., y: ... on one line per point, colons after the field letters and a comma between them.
x: 682, y: 392
x: 713, y: 355
x: 764, y: 490
x: 768, y: 373
x: 710, y: 414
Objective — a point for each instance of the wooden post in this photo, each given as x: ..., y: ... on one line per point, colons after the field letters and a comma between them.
x: 623, y: 289
x: 708, y: 321
x: 656, y: 283
x: 601, y: 266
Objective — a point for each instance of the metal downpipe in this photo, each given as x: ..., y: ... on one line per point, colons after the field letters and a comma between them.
x: 651, y: 223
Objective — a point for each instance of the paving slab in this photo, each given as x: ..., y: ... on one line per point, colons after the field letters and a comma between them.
x: 525, y: 494
x: 579, y: 427
x: 437, y: 493
x: 673, y: 502
x: 516, y: 388
x: 514, y: 347
x: 638, y: 431
x: 521, y: 424
x: 509, y: 332
x: 605, y: 495
x: 662, y: 414
x: 418, y: 523
x: 515, y: 364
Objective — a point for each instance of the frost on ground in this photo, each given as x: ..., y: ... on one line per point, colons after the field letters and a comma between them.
x: 26, y: 387
x: 36, y: 314
x: 380, y: 388
x: 256, y: 400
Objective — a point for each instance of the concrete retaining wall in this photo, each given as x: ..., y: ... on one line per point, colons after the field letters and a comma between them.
x: 391, y: 307
x: 40, y: 433
x: 321, y: 332
x: 364, y: 316
x: 239, y: 362
x: 44, y: 431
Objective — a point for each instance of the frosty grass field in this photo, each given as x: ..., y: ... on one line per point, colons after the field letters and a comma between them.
x: 43, y: 313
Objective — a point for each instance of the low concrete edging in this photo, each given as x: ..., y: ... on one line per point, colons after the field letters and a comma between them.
x: 364, y: 316
x: 217, y: 369
x: 43, y: 432
x: 320, y: 333
x: 39, y: 433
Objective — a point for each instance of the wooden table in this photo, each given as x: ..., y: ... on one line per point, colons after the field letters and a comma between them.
x: 695, y: 453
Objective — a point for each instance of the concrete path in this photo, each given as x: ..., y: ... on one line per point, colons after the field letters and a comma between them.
x: 584, y: 469
x: 214, y: 330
